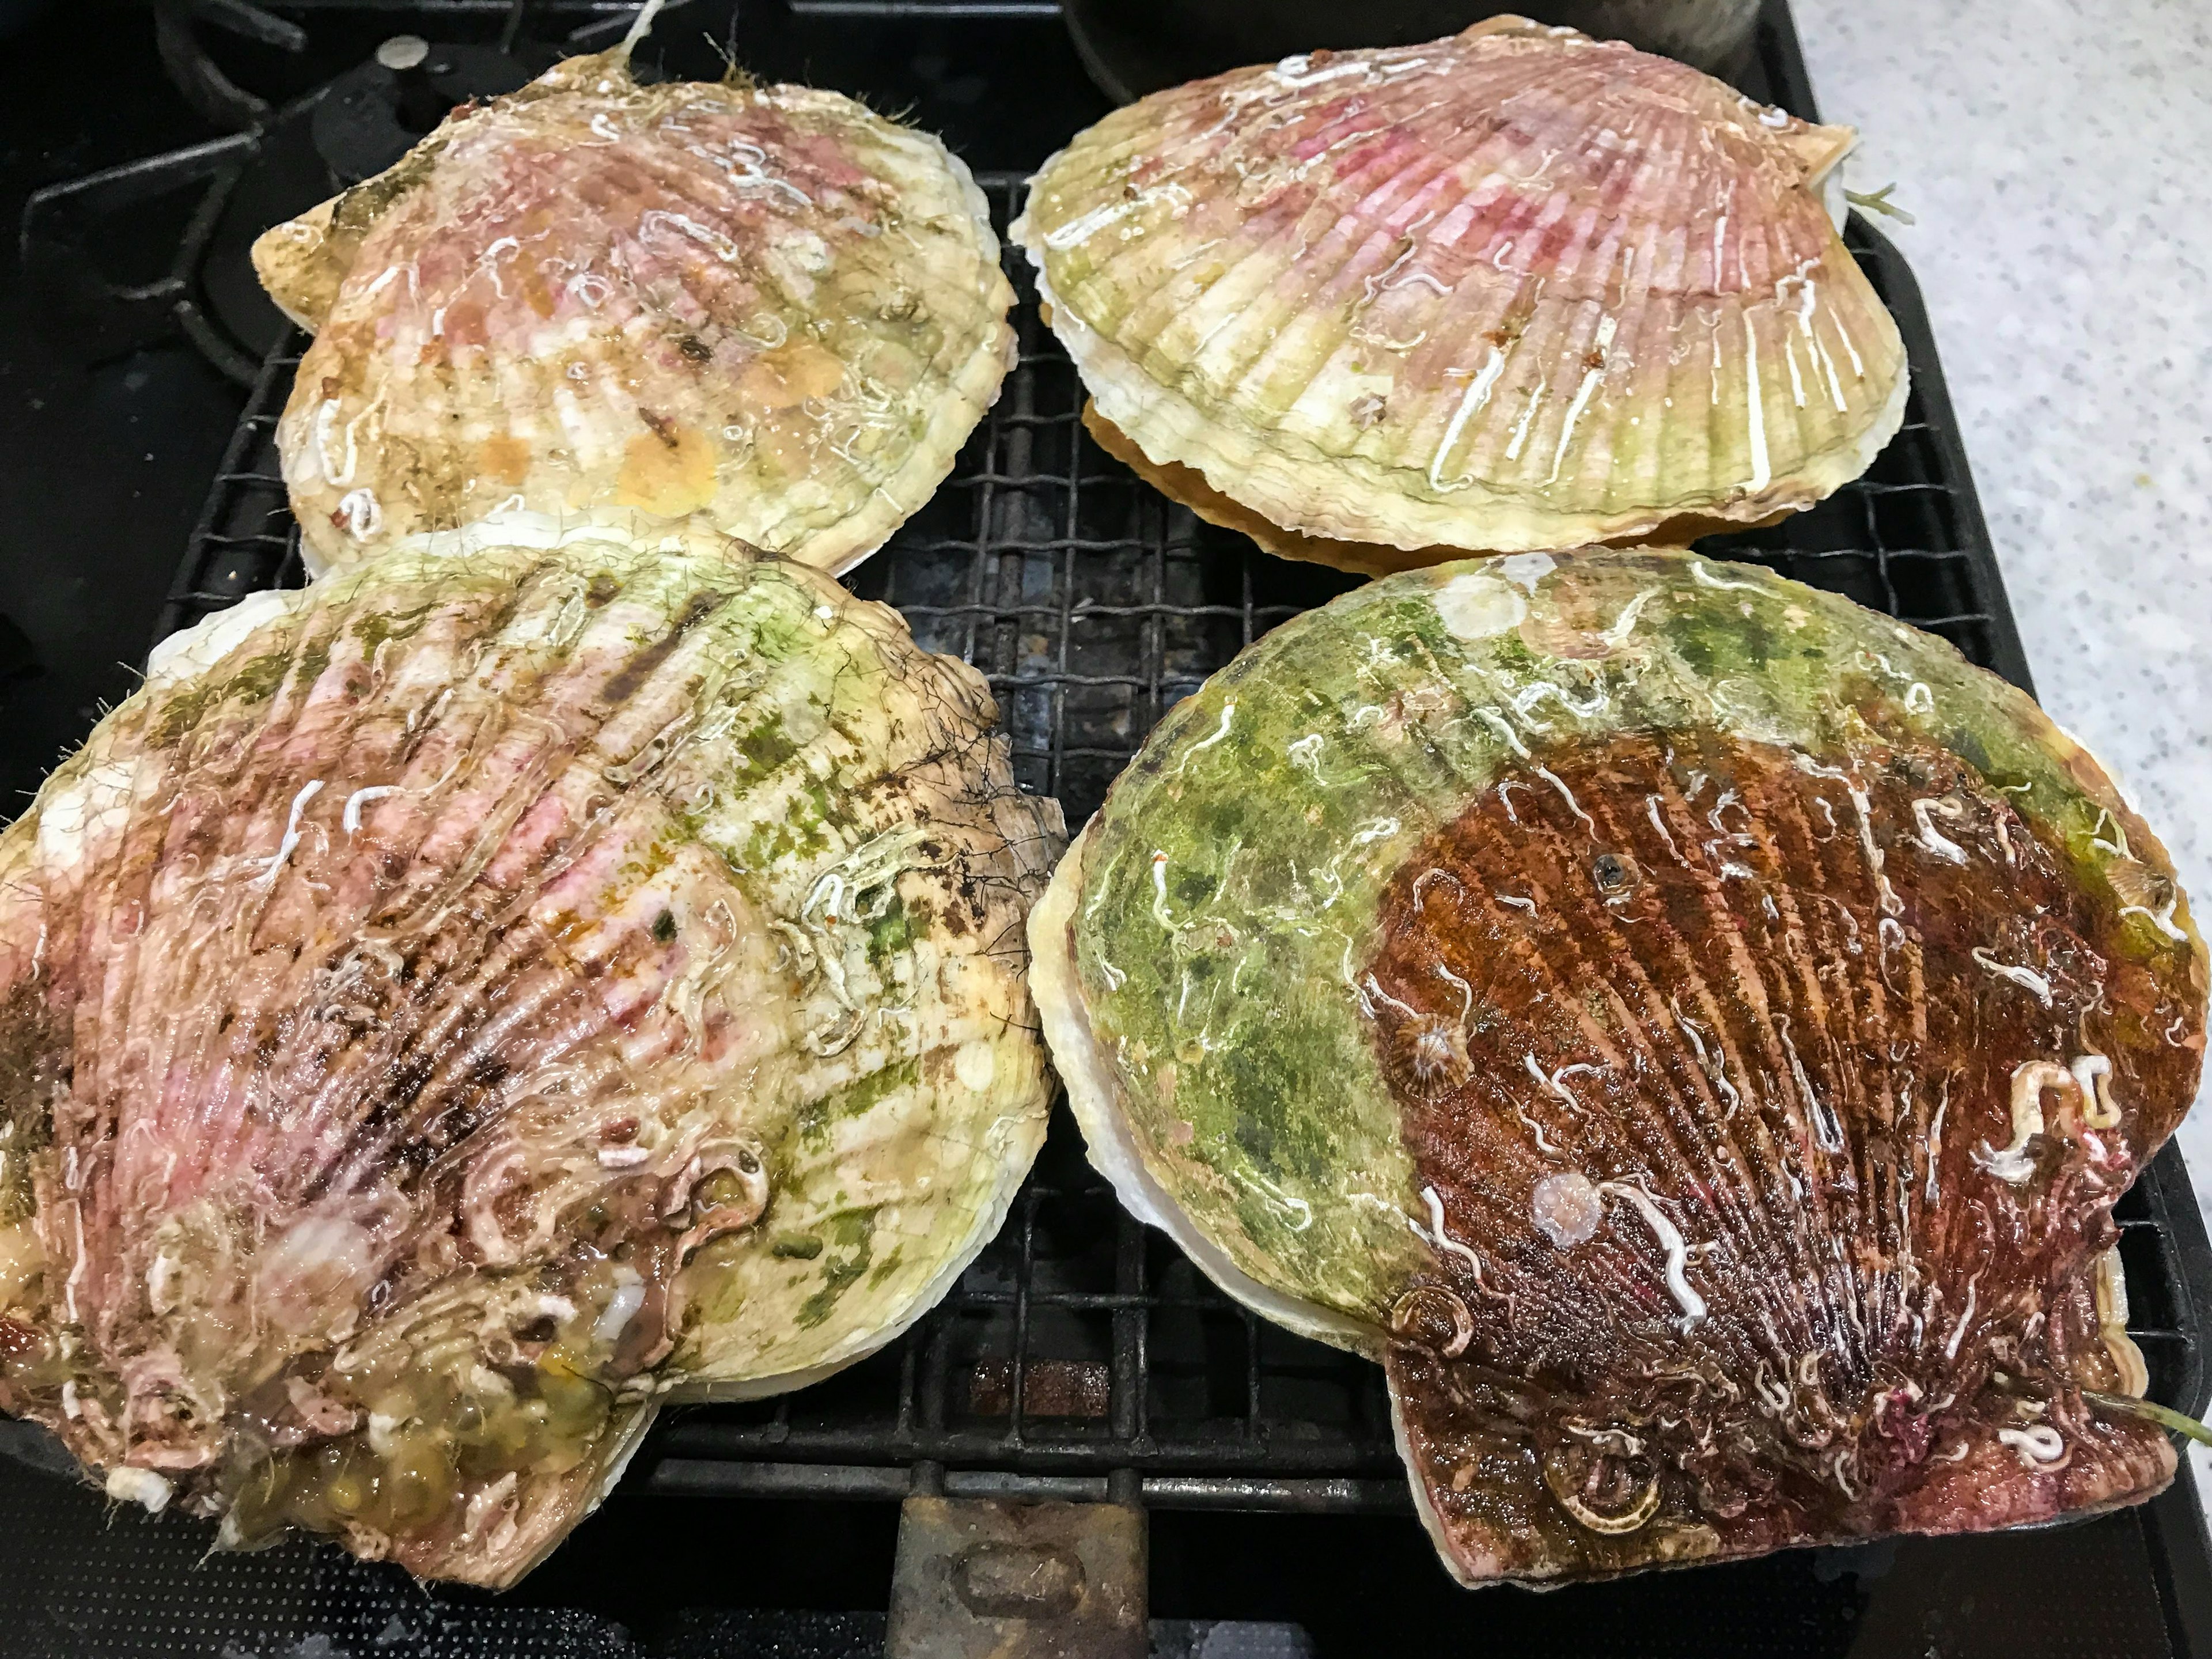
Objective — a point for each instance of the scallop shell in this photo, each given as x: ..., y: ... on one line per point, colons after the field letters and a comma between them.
x: 767, y: 306
x: 1516, y: 289
x: 1692, y: 1030
x: 520, y: 980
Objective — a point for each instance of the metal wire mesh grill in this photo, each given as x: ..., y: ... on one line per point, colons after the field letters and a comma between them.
x: 1082, y: 1348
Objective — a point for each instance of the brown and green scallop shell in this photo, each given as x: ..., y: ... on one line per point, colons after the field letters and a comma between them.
x: 1693, y: 1030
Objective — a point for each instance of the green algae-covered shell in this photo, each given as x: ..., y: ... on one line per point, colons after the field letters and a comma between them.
x: 1692, y: 1028
x: 447, y: 1012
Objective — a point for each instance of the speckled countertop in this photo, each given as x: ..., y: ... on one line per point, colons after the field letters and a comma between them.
x: 2053, y: 155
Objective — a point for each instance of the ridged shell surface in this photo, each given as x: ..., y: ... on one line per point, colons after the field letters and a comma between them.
x: 447, y: 1012
x: 1692, y: 1030
x: 764, y: 304
x: 1516, y: 289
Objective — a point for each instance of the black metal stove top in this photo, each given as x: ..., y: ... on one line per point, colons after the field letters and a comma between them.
x: 1081, y: 1355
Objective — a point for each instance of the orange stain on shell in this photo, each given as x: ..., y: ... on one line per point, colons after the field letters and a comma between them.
x: 504, y: 457
x: 788, y: 375
x: 669, y: 471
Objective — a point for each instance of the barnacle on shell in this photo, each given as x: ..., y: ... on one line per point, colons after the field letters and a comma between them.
x: 1515, y: 290
x: 522, y: 979
x: 1811, y: 999
x: 767, y: 306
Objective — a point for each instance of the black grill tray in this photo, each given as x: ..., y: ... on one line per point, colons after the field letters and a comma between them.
x: 1081, y: 1346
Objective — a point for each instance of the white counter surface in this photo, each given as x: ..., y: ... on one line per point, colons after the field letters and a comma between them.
x: 2054, y: 155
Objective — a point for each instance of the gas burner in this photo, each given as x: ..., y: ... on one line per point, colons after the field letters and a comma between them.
x: 371, y: 116
x: 79, y: 238
x: 283, y: 53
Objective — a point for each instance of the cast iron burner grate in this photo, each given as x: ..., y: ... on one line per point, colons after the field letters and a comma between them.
x: 1082, y: 1354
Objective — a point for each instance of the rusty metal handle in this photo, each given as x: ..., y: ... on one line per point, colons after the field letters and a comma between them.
x: 980, y: 1576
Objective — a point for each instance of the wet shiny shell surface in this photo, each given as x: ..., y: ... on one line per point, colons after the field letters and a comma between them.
x: 448, y: 1012
x: 766, y: 305
x: 1692, y: 1030
x: 1514, y: 290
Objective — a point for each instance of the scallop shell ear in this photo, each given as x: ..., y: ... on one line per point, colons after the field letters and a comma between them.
x: 769, y: 307
x: 1513, y: 290
x: 1694, y: 1030
x: 303, y: 261
x: 483, y: 994
x: 299, y: 267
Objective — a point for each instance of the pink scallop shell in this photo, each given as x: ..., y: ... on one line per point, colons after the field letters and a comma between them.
x: 1513, y: 289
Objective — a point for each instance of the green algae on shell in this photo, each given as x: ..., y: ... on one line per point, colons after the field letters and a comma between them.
x: 1514, y: 290
x: 446, y: 1013
x: 1692, y: 1030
